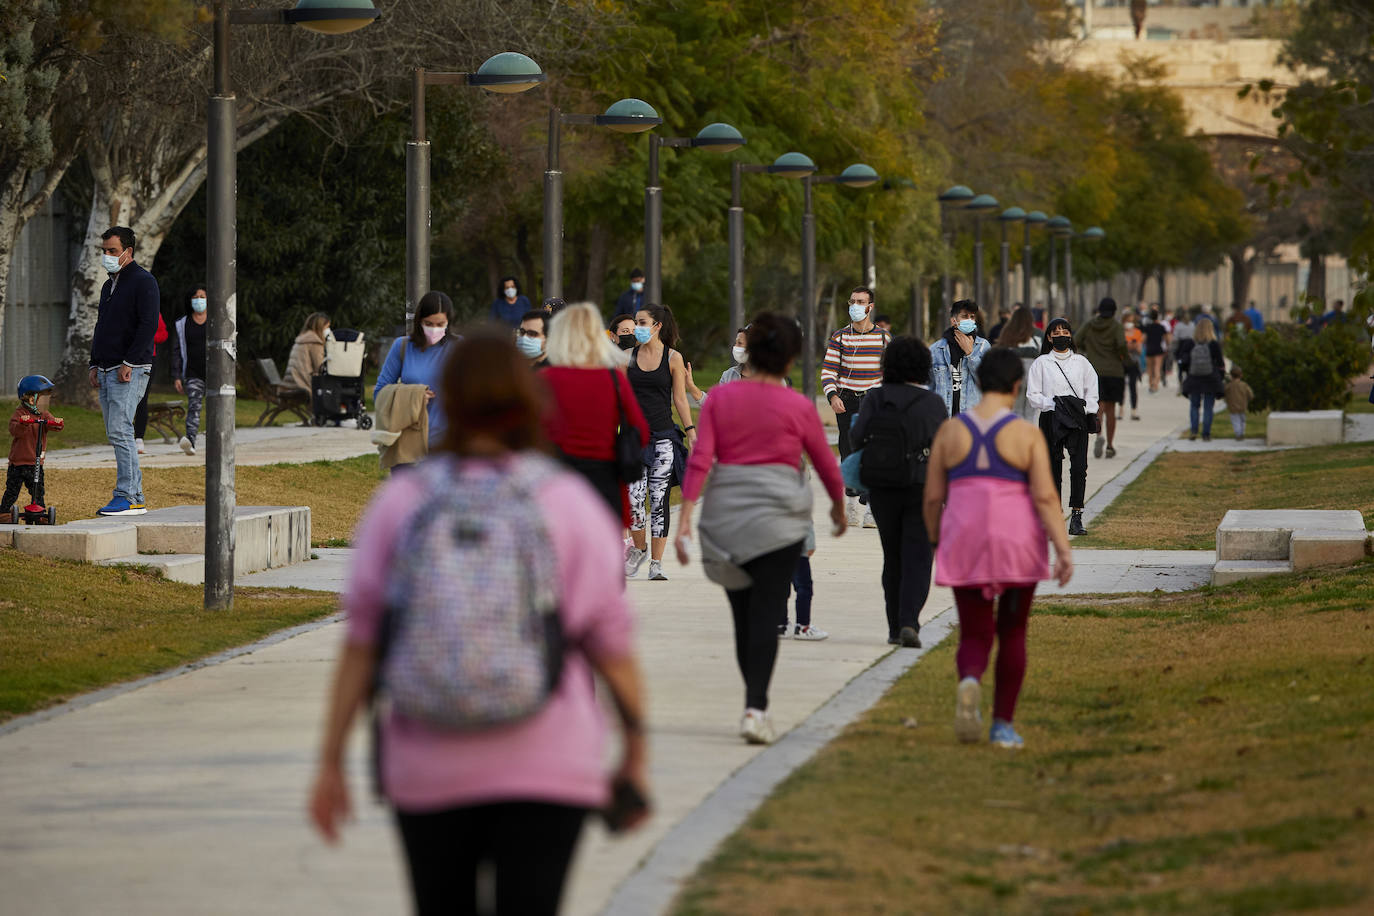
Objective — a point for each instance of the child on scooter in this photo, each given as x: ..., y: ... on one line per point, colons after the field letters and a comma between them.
x: 26, y: 459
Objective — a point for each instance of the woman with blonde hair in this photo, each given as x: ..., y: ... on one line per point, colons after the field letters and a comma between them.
x: 307, y: 352
x: 590, y: 399
x: 1204, y: 368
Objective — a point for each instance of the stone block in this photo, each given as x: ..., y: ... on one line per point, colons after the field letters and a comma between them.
x: 1310, y: 427
x: 182, y: 567
x: 7, y: 534
x: 86, y: 544
x: 1311, y: 547
x: 1264, y: 534
x: 264, y: 536
x: 1228, y: 571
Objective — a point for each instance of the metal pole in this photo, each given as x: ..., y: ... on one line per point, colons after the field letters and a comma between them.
x: 553, y: 213
x: 947, y: 283
x: 417, y: 202
x: 653, y: 229
x: 1026, y: 271
x: 736, y: 225
x: 978, y: 262
x: 1004, y: 282
x: 220, y: 363
x: 808, y: 293
x: 1049, y: 286
x: 1070, y: 307
x: 870, y: 258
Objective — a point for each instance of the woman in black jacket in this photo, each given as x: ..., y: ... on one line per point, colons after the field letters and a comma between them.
x: 1208, y: 382
x: 900, y: 402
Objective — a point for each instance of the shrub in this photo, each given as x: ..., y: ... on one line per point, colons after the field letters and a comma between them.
x: 1290, y: 368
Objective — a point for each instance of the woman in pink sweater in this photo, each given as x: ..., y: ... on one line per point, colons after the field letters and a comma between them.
x: 757, y: 506
x: 513, y: 795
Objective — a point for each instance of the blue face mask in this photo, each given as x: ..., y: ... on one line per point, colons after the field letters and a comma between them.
x: 530, y: 346
x: 858, y: 312
x: 197, y: 305
x: 643, y: 334
x: 968, y: 325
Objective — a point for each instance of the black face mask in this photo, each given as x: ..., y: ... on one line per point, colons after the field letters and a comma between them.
x: 1061, y: 343
x: 627, y: 341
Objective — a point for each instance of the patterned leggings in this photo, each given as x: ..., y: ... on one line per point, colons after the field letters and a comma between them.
x: 195, y: 396
x: 655, y: 484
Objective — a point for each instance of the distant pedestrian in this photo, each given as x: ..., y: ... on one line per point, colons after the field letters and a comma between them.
x: 1134, y: 364
x: 141, y: 415
x: 621, y: 332
x: 995, y: 332
x: 1157, y: 341
x: 1103, y: 342
x: 1237, y: 322
x: 1020, y: 336
x: 895, y: 428
x: 480, y: 777
x: 189, y: 364
x: 884, y: 322
x: 757, y: 504
x: 851, y: 368
x: 1063, y: 387
x: 1256, y: 317
x: 990, y: 497
x: 1238, y: 397
x: 1182, y: 330
x: 307, y: 353
x: 1204, y: 366
x: 122, y: 359
x: 632, y: 300
x: 955, y: 357
x: 531, y: 335
x: 418, y: 358
x: 510, y: 305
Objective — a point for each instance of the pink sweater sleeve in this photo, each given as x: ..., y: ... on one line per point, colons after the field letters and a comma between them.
x: 818, y: 450
x: 703, y: 454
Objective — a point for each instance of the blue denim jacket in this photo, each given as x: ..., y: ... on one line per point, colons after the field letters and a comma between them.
x: 942, y: 373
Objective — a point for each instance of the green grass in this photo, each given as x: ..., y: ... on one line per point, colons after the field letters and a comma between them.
x: 1203, y: 752
x: 1180, y: 499
x: 69, y: 628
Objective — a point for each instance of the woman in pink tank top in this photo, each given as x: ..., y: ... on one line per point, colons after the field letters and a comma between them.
x: 991, y: 498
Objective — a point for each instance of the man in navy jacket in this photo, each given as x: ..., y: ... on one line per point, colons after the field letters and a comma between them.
x: 122, y: 359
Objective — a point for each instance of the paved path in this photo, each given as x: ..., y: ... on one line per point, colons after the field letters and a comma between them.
x: 253, y: 445
x: 186, y: 794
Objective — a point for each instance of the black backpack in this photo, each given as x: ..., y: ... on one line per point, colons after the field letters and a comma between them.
x: 891, y: 459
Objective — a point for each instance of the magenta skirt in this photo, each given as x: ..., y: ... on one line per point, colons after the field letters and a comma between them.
x: 991, y: 537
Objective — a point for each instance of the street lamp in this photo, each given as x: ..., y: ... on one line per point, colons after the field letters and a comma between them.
x: 331, y: 17
x: 1091, y: 234
x: 1009, y: 216
x: 980, y: 205
x: 1033, y: 218
x: 1058, y: 227
x: 788, y: 165
x: 870, y: 256
x: 716, y: 138
x: 507, y: 72
x: 628, y: 116
x: 955, y: 198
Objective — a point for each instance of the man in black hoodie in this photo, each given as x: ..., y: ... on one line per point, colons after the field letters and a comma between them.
x: 122, y: 358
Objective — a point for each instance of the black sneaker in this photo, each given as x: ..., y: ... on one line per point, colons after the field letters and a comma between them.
x: 1076, y: 522
x: 909, y: 638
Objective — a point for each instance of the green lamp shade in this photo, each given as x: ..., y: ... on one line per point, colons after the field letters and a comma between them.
x: 792, y: 165
x: 1060, y: 225
x: 1036, y: 217
x: 507, y: 72
x: 957, y: 196
x: 1094, y: 234
x: 982, y: 202
x: 333, y: 17
x: 630, y: 116
x: 719, y: 138
x: 1012, y: 215
x: 858, y: 175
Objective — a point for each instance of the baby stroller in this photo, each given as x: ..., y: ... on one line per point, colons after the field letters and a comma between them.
x: 337, y: 391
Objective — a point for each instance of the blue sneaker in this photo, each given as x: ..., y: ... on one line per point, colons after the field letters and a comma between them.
x: 121, y: 506
x: 1003, y: 735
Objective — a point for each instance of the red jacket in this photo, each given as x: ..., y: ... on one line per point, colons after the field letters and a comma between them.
x: 24, y: 429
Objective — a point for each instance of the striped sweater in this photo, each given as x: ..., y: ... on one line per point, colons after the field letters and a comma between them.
x: 853, y: 360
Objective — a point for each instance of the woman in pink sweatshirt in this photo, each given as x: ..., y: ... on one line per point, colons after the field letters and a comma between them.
x: 513, y: 795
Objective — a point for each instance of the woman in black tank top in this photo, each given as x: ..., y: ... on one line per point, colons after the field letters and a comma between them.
x: 658, y: 376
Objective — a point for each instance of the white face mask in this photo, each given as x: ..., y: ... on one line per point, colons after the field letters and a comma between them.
x: 740, y: 354
x: 858, y: 312
x: 434, y: 335
x: 198, y: 305
x: 111, y: 263
x: 511, y: 293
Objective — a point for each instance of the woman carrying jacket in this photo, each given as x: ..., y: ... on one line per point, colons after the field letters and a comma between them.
x: 1063, y: 372
x: 1202, y: 387
x: 307, y: 353
x: 418, y: 359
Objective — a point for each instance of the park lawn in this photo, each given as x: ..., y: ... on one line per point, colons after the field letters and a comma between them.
x: 335, y: 491
x: 70, y: 628
x: 1205, y: 752
x: 1179, y: 501
x: 1257, y: 424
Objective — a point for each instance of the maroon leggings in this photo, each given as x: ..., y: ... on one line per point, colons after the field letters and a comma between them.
x: 976, y: 629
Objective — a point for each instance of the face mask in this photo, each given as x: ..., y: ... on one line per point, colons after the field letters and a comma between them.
x: 637, y: 285
x: 1061, y: 343
x: 198, y: 305
x: 511, y: 294
x: 857, y: 312
x: 740, y: 354
x: 643, y: 334
x: 530, y: 346
x: 968, y: 326
x: 434, y: 335
x: 111, y: 263
x: 626, y: 341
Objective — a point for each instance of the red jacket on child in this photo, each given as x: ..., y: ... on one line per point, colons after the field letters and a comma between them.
x: 24, y: 429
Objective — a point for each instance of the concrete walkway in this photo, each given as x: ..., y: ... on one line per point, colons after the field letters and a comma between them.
x: 253, y: 446
x: 186, y: 795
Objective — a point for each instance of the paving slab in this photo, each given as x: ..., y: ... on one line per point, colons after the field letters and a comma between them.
x: 252, y: 446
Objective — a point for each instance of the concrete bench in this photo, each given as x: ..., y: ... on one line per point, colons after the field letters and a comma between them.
x: 1310, y: 427
x: 1261, y: 542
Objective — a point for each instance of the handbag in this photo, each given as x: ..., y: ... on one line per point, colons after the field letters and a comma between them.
x: 629, y: 453
x: 1070, y: 413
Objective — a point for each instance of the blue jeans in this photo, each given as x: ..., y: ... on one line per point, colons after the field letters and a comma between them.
x: 118, y: 402
x: 1206, y: 399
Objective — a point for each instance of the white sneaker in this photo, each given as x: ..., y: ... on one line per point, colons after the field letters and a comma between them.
x: 812, y: 633
x: 851, y: 511
x: 656, y: 572
x: 968, y: 713
x: 633, y: 560
x: 187, y: 445
x: 138, y: 443
x: 868, y: 519
x: 756, y: 727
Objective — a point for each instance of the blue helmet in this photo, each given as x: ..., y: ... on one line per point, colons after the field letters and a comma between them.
x: 30, y: 386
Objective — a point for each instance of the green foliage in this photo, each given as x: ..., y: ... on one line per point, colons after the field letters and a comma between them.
x: 1290, y: 368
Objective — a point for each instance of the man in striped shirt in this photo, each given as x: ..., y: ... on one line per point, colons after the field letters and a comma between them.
x: 853, y: 364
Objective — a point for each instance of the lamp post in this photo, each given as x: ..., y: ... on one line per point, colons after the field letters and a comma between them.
x: 507, y: 72
x: 855, y: 176
x: 628, y: 116
x: 788, y: 165
x: 332, y: 17
x: 980, y: 205
x: 871, y: 257
x: 955, y: 198
x: 1091, y: 234
x: 1009, y: 216
x: 1057, y: 226
x: 1033, y: 218
x: 716, y: 138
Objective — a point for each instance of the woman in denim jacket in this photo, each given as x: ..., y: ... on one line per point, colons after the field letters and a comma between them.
x: 955, y: 357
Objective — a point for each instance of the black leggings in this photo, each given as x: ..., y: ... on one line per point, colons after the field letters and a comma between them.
x: 527, y: 844
x: 757, y: 610
x: 1132, y: 381
x: 141, y: 414
x: 1077, y: 444
x: 906, y: 555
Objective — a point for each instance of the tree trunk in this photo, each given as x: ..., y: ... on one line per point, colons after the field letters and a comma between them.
x: 1162, y: 303
x: 598, y: 251
x: 1316, y: 281
x: 1140, y: 286
x: 1242, y: 270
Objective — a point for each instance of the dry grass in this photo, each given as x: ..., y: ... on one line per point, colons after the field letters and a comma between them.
x: 335, y: 491
x: 1204, y: 753
x: 1180, y: 499
x: 69, y: 628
